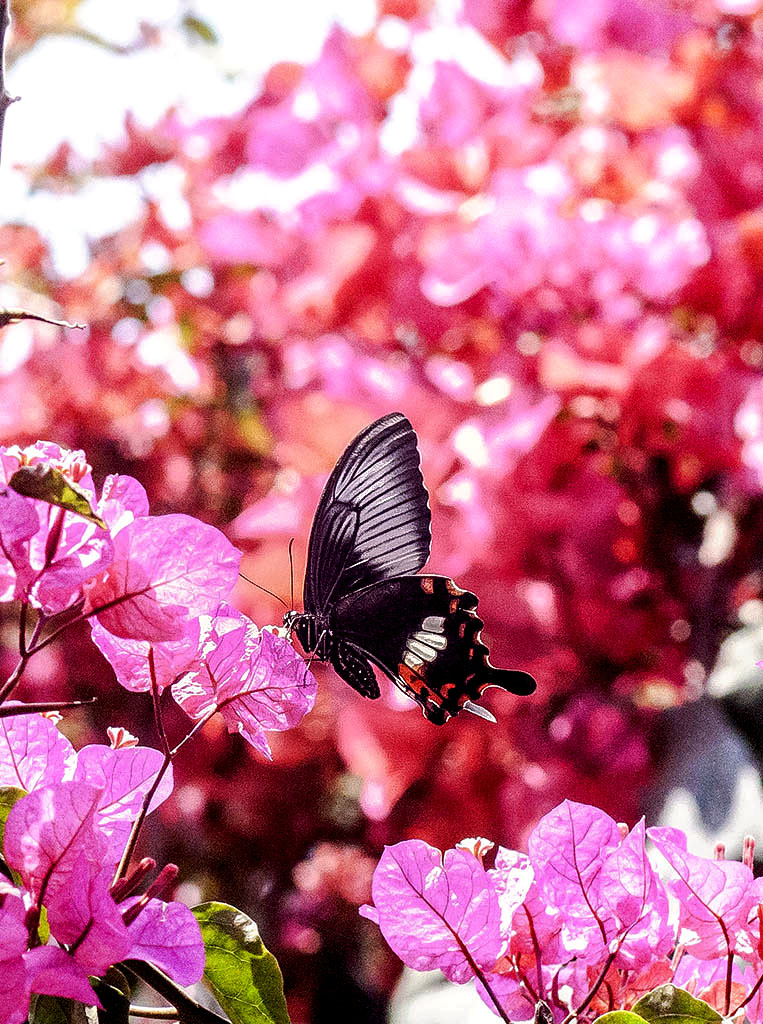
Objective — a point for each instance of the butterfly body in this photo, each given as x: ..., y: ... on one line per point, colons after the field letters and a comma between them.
x: 366, y: 605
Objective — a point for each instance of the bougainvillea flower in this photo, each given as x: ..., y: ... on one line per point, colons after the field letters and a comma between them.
x: 254, y: 678
x: 65, y: 550
x: 567, y: 849
x: 47, y: 970
x: 123, y: 777
x: 84, y: 915
x: 634, y: 904
x: 141, y: 665
x: 122, y: 499
x: 47, y: 831
x: 431, y: 909
x: 18, y: 523
x: 34, y: 753
x: 511, y: 877
x: 166, y: 571
x: 168, y: 935
x: 714, y: 896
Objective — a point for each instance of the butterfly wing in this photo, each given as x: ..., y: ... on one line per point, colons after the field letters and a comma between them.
x: 373, y: 518
x: 424, y: 633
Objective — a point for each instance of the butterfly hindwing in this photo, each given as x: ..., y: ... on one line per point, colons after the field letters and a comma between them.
x: 373, y: 518
x: 423, y: 632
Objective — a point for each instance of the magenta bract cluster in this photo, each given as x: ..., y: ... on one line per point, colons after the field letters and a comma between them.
x: 584, y: 921
x: 155, y: 591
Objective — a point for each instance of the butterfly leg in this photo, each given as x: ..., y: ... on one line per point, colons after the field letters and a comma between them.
x: 350, y: 664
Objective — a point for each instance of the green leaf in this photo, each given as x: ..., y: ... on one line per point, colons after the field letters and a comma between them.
x: 48, y: 484
x: 240, y: 972
x: 671, y: 1005
x: 54, y: 1010
x: 619, y: 1017
x: 9, y: 795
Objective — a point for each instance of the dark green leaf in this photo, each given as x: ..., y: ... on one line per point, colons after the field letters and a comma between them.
x: 48, y: 484
x: 114, y: 994
x: 671, y: 1005
x: 54, y: 1010
x: 240, y: 972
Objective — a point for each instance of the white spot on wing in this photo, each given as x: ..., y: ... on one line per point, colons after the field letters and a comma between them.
x: 434, y: 624
x: 434, y: 640
x: 422, y: 651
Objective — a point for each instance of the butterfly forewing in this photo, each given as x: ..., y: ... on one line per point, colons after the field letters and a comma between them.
x: 373, y: 519
x: 424, y: 633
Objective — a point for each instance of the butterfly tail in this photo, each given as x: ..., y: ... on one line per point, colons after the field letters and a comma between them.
x: 521, y: 683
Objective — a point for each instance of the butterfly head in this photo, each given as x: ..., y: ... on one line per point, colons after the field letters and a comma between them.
x: 312, y: 632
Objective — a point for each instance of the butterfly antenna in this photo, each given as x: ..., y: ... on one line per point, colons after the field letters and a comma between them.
x: 265, y: 589
x: 291, y: 570
x: 475, y: 709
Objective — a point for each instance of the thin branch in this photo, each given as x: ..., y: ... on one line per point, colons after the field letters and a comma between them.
x: 13, y: 316
x: 15, y: 676
x: 5, y: 99
x: 188, y: 1010
x: 593, y: 989
x: 138, y: 823
x: 154, y: 1012
x: 156, y: 701
x: 199, y: 725
x: 729, y: 971
x: 22, y: 628
x: 753, y: 992
x: 10, y: 710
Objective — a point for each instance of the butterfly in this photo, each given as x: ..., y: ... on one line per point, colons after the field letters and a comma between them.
x: 365, y: 604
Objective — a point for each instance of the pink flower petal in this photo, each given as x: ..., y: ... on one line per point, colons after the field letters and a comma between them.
x: 82, y: 912
x: 33, y: 753
x: 122, y: 499
x: 47, y: 831
x: 52, y: 972
x: 714, y: 896
x: 631, y: 890
x: 123, y: 777
x: 431, y: 909
x: 133, y: 660
x: 168, y: 936
x: 167, y: 570
x: 255, y: 679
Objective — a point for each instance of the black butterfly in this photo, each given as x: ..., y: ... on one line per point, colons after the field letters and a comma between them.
x: 364, y: 606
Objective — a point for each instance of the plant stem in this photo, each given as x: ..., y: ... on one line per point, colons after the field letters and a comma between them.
x: 729, y: 969
x: 138, y: 823
x: 536, y: 947
x: 188, y: 1010
x: 156, y: 701
x: 8, y: 687
x: 5, y: 99
x: 753, y: 992
x: 154, y: 1012
x: 44, y: 705
x: 22, y: 629
x: 593, y: 990
x: 202, y: 722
